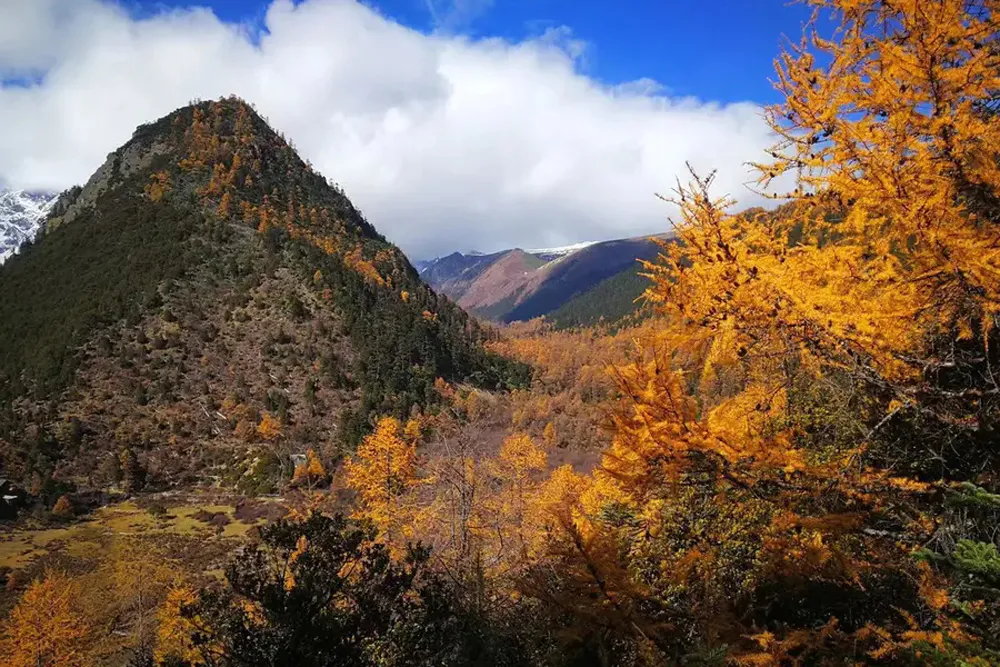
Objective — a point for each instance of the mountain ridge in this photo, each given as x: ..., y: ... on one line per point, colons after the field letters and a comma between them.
x: 21, y: 216
x: 210, y: 301
x: 517, y: 285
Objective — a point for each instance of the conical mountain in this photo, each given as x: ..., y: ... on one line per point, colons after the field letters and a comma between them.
x: 211, y: 302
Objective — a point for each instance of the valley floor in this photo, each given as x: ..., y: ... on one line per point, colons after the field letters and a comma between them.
x: 197, y: 529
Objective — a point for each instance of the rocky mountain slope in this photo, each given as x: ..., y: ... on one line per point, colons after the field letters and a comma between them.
x: 210, y: 303
x: 515, y: 285
x: 21, y: 216
x: 455, y: 273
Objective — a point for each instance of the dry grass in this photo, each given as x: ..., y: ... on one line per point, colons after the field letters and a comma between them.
x: 90, y: 537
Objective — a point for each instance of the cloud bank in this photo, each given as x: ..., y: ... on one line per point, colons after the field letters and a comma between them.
x: 444, y: 142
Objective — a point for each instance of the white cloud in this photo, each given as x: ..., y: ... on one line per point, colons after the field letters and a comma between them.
x: 443, y: 141
x: 456, y: 14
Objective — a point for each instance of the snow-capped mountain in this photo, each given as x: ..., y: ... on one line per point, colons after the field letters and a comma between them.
x: 562, y: 250
x: 21, y: 215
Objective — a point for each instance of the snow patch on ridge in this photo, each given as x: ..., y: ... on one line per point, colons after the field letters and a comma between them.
x: 562, y: 250
x: 21, y: 216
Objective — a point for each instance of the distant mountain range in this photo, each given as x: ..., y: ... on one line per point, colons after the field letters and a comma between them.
x: 21, y: 216
x: 573, y: 285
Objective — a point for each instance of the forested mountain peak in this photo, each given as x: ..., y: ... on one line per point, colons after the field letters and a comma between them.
x: 226, y: 157
x: 207, y: 290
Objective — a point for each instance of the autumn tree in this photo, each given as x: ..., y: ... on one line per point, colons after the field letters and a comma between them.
x: 550, y: 434
x: 225, y: 205
x: 458, y: 515
x: 269, y: 427
x: 820, y: 378
x: 382, y: 472
x: 140, y: 577
x: 310, y: 472
x: 63, y: 509
x: 516, y: 473
x: 175, y: 629
x: 158, y: 186
x: 46, y: 628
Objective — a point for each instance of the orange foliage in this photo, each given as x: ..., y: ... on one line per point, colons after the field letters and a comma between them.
x: 881, y: 256
x: 63, y: 508
x: 356, y: 261
x: 158, y: 186
x: 382, y: 472
x: 311, y: 472
x: 269, y: 427
x: 174, y: 629
x: 46, y: 628
x: 225, y: 204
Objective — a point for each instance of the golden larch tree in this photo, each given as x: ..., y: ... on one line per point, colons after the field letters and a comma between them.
x: 311, y: 471
x: 269, y: 427
x: 174, y: 628
x: 382, y: 472
x: 807, y: 358
x: 45, y: 628
x: 516, y: 471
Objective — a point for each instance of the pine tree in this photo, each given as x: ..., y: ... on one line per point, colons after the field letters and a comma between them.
x: 133, y: 472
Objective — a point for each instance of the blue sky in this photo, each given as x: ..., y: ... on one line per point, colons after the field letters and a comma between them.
x: 719, y: 50
x: 481, y: 124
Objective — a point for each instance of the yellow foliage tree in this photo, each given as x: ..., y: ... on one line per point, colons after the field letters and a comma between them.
x: 315, y: 465
x: 269, y: 427
x: 516, y: 470
x: 549, y: 434
x: 141, y: 579
x: 63, y: 509
x: 443, y: 389
x: 311, y: 472
x: 174, y: 629
x: 45, y: 628
x: 870, y: 302
x: 225, y: 205
x: 382, y: 472
x: 412, y: 430
x: 158, y: 186
x: 894, y: 130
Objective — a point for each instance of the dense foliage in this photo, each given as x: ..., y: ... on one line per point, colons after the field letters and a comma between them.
x: 803, y: 468
x: 801, y: 464
x: 318, y: 591
x: 609, y: 301
x: 791, y: 450
x: 102, y: 269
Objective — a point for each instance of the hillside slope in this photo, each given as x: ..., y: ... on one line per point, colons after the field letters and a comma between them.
x: 611, y: 300
x: 517, y: 285
x: 211, y: 302
x: 455, y: 273
x: 503, y: 281
x: 561, y: 280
